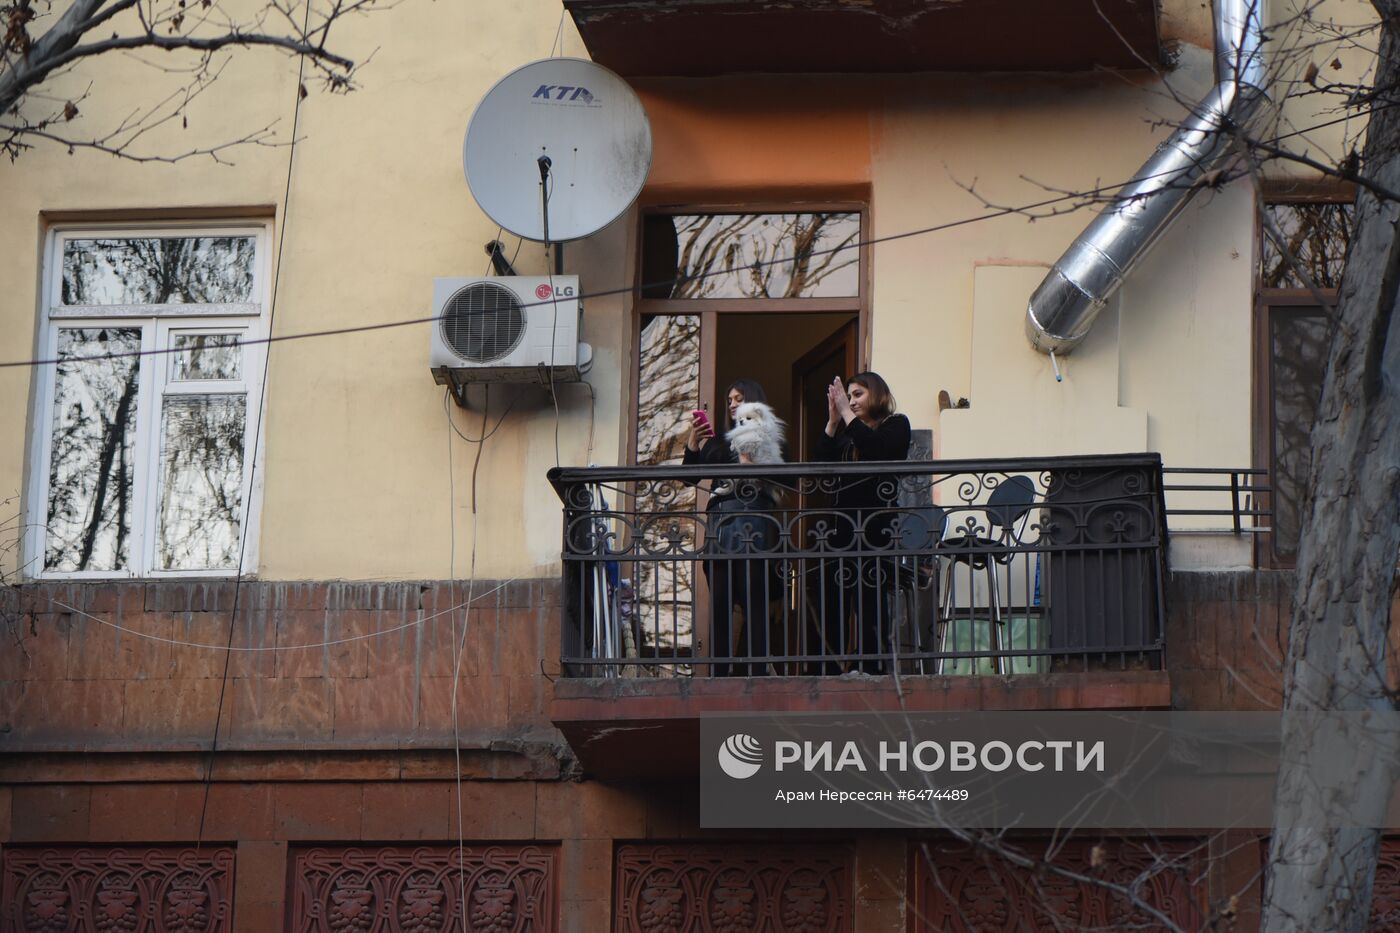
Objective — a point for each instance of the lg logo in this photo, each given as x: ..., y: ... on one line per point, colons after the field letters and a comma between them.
x: 740, y: 756
x: 543, y: 291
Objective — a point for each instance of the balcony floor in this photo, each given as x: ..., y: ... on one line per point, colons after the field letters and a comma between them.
x: 649, y: 728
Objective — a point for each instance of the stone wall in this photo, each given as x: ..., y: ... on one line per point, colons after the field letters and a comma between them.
x: 118, y: 667
x: 337, y: 762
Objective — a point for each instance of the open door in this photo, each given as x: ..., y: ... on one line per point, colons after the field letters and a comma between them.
x: 811, y: 374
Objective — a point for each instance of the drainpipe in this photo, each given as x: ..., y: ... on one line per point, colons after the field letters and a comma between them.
x: 1065, y: 304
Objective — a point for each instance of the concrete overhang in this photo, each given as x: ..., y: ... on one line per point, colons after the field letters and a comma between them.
x: 701, y: 38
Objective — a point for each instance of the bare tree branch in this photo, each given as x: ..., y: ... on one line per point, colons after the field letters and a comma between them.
x: 88, y: 29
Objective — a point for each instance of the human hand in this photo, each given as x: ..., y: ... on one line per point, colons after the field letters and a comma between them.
x: 838, y: 403
x: 833, y: 414
x: 700, y: 431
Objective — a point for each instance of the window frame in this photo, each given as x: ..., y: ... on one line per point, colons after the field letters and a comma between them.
x: 158, y: 324
x: 1270, y: 302
x: 709, y: 309
x: 1266, y: 302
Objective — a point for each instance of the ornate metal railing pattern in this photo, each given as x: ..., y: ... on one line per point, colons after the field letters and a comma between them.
x: 916, y: 567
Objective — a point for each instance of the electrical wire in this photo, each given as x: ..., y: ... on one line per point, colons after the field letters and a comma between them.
x: 592, y: 419
x: 257, y: 441
x: 460, y: 646
x: 558, y: 42
x: 491, y: 253
x: 553, y: 345
x: 456, y: 649
x: 137, y: 633
x: 547, y: 191
x: 990, y: 214
x: 447, y: 395
x: 605, y: 293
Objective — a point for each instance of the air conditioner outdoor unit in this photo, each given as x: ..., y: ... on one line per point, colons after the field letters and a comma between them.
x: 507, y: 329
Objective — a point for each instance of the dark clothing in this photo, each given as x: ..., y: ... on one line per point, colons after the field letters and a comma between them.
x: 858, y: 441
x: 860, y: 584
x: 715, y: 450
x: 750, y: 584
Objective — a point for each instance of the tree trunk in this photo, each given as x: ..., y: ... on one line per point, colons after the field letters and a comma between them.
x: 1320, y: 878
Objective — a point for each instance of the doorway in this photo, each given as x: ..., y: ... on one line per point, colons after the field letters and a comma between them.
x: 794, y: 357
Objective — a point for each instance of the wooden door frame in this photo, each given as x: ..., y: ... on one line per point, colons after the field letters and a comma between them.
x: 1262, y: 433
x: 1278, y: 191
x: 849, y: 333
x: 709, y: 309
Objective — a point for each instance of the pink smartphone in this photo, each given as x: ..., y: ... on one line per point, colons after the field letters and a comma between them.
x: 700, y: 414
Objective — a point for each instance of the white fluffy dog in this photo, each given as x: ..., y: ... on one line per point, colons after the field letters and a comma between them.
x: 757, y: 433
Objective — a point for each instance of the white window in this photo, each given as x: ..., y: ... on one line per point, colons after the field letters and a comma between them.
x: 144, y: 428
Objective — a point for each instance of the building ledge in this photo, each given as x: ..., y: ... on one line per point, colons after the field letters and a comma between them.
x: 712, y: 37
x: 635, y: 728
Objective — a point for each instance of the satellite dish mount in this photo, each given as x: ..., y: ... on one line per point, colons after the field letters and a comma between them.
x: 545, y: 162
x: 573, y: 128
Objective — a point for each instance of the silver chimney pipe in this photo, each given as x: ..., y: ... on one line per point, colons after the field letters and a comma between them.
x: 1065, y: 304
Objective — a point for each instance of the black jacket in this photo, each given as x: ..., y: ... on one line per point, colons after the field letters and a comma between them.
x: 714, y: 451
x: 889, y: 440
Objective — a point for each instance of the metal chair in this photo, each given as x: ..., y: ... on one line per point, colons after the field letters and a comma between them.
x: 921, y: 529
x: 1008, y: 504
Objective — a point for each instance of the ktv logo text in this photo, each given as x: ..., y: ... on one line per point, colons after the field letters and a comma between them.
x: 565, y: 93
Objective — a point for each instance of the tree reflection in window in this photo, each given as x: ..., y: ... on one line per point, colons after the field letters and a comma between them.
x: 201, y: 463
x: 158, y: 270
x: 90, y: 454
x: 1298, y: 342
x: 205, y: 356
x: 668, y: 389
x: 1318, y: 234
x: 751, y: 255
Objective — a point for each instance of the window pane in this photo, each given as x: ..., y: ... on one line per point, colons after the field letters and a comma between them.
x: 158, y: 270
x: 668, y: 389
x: 201, y: 482
x: 91, y: 453
x: 1298, y: 342
x: 1317, y: 234
x: 206, y: 356
x: 668, y: 386
x: 751, y: 256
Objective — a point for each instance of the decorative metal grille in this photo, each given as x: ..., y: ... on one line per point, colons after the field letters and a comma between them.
x: 960, y: 890
x: 732, y: 888
x: 118, y: 890
x: 1010, y: 566
x: 400, y: 889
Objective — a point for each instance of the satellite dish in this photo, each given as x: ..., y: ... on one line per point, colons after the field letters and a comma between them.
x: 590, y: 126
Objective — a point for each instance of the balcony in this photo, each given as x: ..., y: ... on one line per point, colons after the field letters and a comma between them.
x: 1012, y: 584
x: 712, y: 37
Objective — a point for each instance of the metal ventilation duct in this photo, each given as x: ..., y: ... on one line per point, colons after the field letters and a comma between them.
x: 1065, y: 304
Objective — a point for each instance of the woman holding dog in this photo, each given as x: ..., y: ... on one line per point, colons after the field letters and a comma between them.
x: 702, y: 445
x: 751, y: 585
x: 862, y: 425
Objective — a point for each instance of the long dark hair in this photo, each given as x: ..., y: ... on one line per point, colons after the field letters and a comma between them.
x: 749, y: 389
x: 881, y: 398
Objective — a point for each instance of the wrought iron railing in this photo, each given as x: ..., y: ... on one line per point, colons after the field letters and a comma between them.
x: 1217, y: 500
x: 916, y: 567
